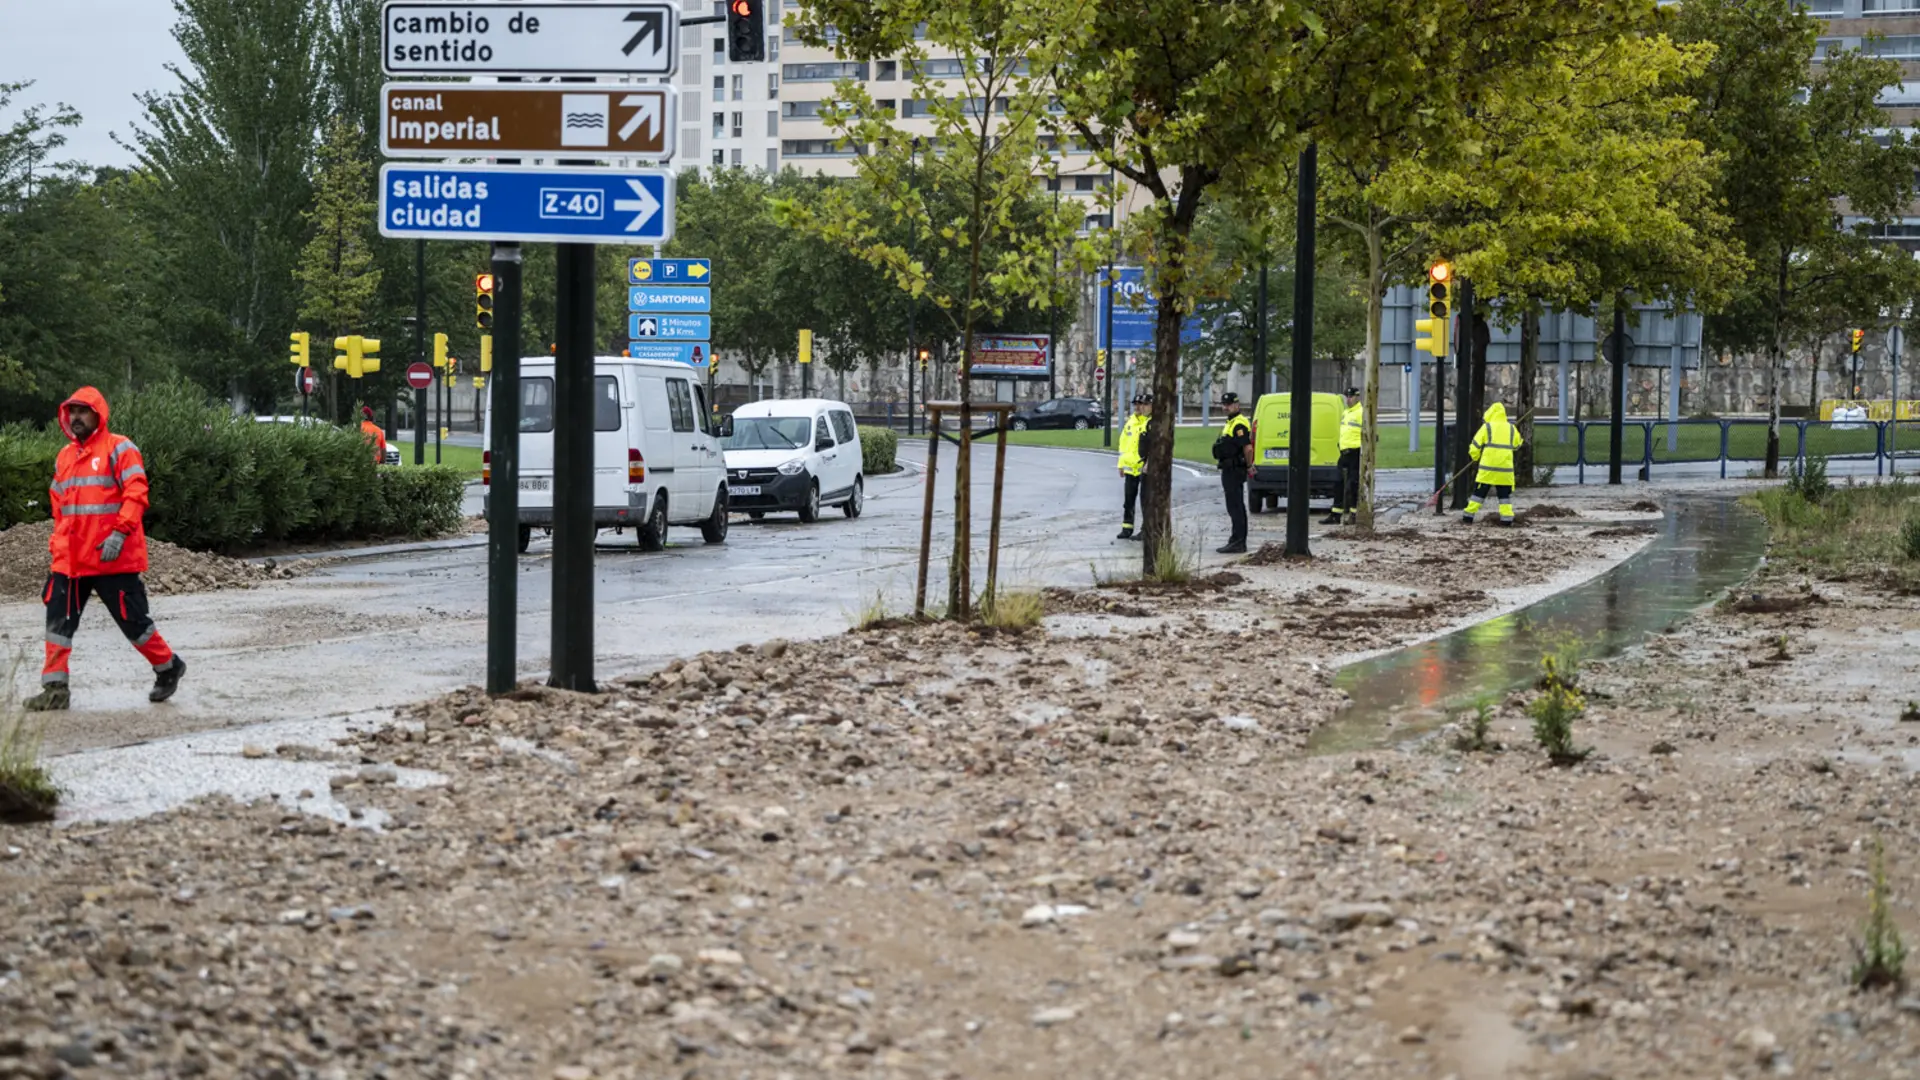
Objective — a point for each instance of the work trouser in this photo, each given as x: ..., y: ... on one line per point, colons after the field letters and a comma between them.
x: 1134, y: 493
x: 126, y: 598
x: 1233, y: 481
x: 1504, y: 492
x: 1347, y: 501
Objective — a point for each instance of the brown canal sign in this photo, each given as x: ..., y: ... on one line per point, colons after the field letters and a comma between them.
x: 463, y: 120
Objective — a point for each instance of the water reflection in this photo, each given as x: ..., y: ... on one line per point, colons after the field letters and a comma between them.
x: 1704, y: 546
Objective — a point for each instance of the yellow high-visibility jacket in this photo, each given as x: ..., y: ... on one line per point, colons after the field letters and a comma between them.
x: 1352, y: 422
x: 1493, y: 447
x: 1131, y: 463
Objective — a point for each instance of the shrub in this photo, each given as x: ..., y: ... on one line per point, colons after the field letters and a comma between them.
x: 1554, y: 712
x: 1808, y: 478
x: 879, y: 449
x: 1880, y: 958
x: 1910, y: 535
x: 27, y: 792
x: 1475, y: 738
x: 26, y: 468
x: 415, y: 502
x: 1014, y: 611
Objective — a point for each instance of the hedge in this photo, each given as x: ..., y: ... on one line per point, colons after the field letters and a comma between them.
x: 220, y: 482
x: 878, y: 448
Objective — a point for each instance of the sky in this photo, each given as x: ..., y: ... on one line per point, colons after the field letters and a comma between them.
x: 92, y: 54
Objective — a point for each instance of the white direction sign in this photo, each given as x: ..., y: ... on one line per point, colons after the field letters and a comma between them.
x: 444, y: 37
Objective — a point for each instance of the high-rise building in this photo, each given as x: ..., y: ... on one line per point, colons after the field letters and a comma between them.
x: 729, y: 112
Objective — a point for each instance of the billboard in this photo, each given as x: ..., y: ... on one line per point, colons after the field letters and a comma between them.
x: 1010, y: 356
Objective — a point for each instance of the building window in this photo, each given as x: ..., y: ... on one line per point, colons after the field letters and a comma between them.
x: 886, y: 71
x: 773, y: 46
x: 916, y: 107
x: 773, y: 160
x: 736, y: 158
x: 719, y: 124
x: 773, y: 84
x: 773, y: 122
x: 719, y: 158
x: 720, y: 50
x: 799, y: 109
x: 887, y: 107
x: 739, y: 125
x: 739, y: 88
x: 1085, y: 183
x: 719, y: 9
x: 938, y: 69
x: 815, y: 148
x: 1900, y: 47
x: 719, y: 88
x: 1869, y: 7
x: 823, y: 72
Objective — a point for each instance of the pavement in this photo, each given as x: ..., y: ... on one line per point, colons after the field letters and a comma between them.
x: 380, y: 628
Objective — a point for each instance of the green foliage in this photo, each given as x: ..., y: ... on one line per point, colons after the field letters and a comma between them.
x: 1014, y: 612
x: 1880, y: 957
x: 336, y: 273
x: 26, y: 468
x: 879, y: 448
x: 1808, y: 478
x: 1909, y: 535
x: 1860, y: 529
x: 27, y: 792
x: 415, y: 503
x: 1173, y: 562
x: 1480, y: 725
x: 1554, y: 712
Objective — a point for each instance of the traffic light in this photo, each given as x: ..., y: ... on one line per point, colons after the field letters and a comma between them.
x: 300, y: 352
x: 357, y: 357
x: 483, y: 301
x: 439, y: 350
x: 486, y: 354
x: 806, y: 346
x: 926, y: 354
x: 1439, y: 311
x: 1858, y: 337
x: 746, y: 30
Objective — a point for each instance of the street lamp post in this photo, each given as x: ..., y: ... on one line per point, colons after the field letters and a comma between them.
x: 1053, y: 310
x: 1113, y: 227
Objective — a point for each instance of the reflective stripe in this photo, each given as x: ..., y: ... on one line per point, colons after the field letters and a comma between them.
x: 53, y: 679
x: 133, y: 471
x: 146, y: 637
x: 56, y: 639
x: 94, y: 509
x: 158, y: 668
x: 113, y: 456
x: 84, y: 481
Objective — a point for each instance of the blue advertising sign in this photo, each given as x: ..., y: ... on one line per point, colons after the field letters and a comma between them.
x: 1135, y: 315
x: 669, y: 271
x: 492, y: 202
x: 670, y: 327
x: 647, y: 298
x: 680, y: 352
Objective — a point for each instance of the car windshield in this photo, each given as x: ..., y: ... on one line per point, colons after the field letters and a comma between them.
x: 770, y: 432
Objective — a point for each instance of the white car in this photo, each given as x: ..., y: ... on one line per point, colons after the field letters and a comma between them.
x: 795, y: 455
x: 656, y: 457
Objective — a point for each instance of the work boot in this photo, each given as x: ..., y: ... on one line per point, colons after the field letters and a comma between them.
x: 1126, y: 533
x: 166, y: 682
x: 1506, y: 521
x: 53, y: 697
x: 1332, y: 518
x: 1233, y: 549
x: 1466, y: 519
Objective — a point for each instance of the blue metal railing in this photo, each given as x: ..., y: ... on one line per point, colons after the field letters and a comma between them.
x: 1648, y: 444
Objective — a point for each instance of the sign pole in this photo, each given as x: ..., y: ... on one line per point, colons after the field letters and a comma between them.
x: 1300, y: 436
x: 1619, y: 365
x: 573, y: 526
x: 419, y: 349
x: 503, y: 497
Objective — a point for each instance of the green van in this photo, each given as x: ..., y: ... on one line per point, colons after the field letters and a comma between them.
x: 1272, y: 427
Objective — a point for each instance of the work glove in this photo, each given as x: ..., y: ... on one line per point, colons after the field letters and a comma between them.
x: 110, y: 547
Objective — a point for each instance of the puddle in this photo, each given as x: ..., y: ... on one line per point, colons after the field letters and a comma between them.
x: 127, y: 782
x: 1700, y: 549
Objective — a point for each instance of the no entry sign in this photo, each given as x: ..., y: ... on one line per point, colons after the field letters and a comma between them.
x: 419, y: 376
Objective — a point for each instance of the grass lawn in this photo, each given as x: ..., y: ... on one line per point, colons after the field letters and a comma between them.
x: 464, y: 458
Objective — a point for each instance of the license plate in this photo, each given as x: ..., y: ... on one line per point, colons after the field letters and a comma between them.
x: 744, y: 489
x: 535, y: 483
x: 1276, y: 454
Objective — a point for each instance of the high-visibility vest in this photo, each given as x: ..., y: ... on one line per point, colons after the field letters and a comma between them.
x: 1351, y: 425
x: 99, y: 488
x: 1131, y: 463
x: 1493, y: 446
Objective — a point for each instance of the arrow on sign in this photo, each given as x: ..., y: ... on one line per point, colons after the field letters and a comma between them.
x: 697, y: 271
x: 643, y: 207
x: 650, y: 27
x: 646, y: 114
x: 648, y: 328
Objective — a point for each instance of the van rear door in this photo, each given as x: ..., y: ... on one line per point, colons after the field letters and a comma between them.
x: 610, y: 438
x: 536, y: 436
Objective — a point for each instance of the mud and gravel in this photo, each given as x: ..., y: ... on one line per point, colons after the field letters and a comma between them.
x: 1090, y: 850
x: 25, y: 563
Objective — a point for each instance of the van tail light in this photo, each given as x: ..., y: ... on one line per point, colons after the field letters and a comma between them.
x: 486, y: 468
x: 636, y: 467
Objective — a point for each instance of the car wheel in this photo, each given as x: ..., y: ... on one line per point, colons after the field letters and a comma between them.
x: 1080, y: 423
x: 525, y: 539
x: 653, y: 535
x: 1019, y: 425
x: 714, y: 529
x: 858, y: 500
x: 810, y: 512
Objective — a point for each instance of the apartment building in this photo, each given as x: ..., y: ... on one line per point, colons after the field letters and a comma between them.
x: 1889, y: 29
x: 729, y: 112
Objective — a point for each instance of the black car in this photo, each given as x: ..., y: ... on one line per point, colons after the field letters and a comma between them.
x: 1078, y: 413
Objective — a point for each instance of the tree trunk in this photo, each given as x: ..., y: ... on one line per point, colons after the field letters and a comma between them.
x: 1529, y: 373
x: 1370, y: 413
x: 1157, y: 513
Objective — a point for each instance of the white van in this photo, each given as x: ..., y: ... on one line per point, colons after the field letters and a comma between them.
x: 795, y: 455
x: 656, y: 457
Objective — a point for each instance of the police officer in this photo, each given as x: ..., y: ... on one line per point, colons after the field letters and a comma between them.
x: 1131, y: 463
x: 1234, y: 451
x: 1346, y: 502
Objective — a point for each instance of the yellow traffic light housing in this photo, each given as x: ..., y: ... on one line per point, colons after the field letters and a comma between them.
x: 486, y: 354
x: 1439, y: 311
x: 1859, y: 336
x: 483, y: 301
x: 357, y: 355
x: 440, y: 350
x: 368, y: 361
x: 301, y: 351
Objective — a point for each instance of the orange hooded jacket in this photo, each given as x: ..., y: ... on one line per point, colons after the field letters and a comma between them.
x: 99, y: 488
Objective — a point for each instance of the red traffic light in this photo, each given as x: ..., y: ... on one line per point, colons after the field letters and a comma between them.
x: 1440, y: 272
x: 743, y: 8
x: 483, y: 283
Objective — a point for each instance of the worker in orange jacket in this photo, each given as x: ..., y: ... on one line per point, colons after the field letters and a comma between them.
x: 99, y: 548
x: 375, y: 436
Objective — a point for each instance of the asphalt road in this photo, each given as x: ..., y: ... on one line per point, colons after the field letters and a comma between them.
x: 379, y: 632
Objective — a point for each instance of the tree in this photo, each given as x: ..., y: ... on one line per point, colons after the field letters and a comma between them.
x: 1799, y: 140
x: 986, y: 145
x: 336, y: 273
x: 226, y: 154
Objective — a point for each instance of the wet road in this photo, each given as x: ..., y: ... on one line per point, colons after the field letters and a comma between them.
x: 379, y: 632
